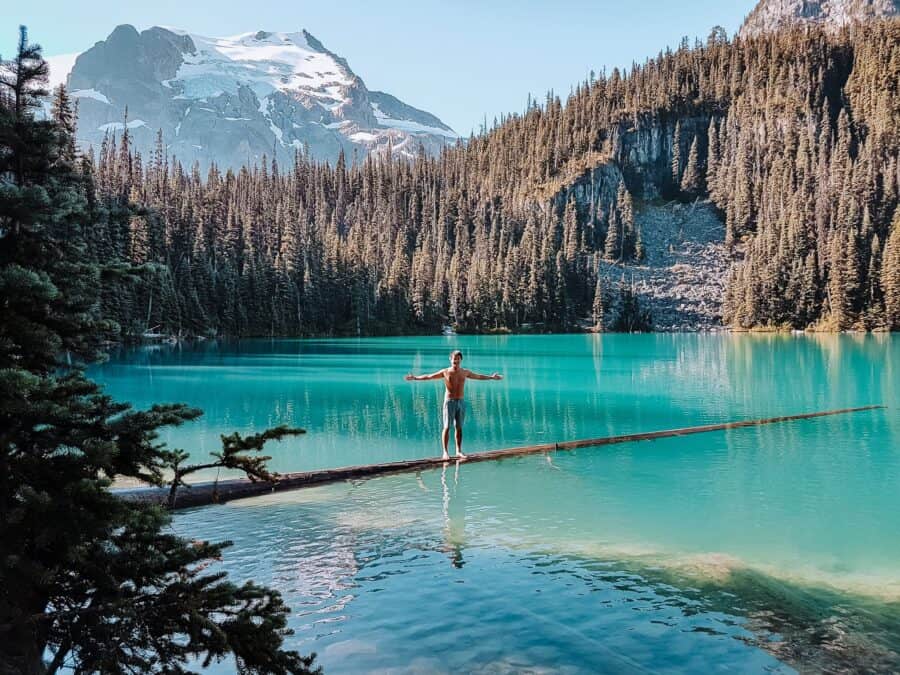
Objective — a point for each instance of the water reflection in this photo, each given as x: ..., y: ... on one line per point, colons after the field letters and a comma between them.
x: 454, y: 516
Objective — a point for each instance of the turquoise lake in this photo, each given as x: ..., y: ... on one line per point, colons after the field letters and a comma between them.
x: 762, y: 549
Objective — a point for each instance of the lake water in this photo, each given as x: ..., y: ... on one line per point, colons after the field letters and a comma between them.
x: 758, y: 549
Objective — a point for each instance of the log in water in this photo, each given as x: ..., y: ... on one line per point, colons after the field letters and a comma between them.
x: 201, y: 494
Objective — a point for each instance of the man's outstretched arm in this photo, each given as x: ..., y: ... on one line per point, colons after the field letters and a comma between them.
x: 418, y: 378
x: 478, y: 376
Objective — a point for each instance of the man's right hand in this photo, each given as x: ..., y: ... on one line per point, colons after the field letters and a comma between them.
x: 409, y: 377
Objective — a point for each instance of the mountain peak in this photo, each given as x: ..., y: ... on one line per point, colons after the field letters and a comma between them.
x: 234, y: 99
x: 773, y: 15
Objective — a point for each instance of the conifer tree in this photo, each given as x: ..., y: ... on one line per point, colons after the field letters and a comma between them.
x: 639, y: 251
x: 890, y: 274
x: 90, y: 582
x: 712, y: 160
x: 632, y: 318
x: 837, y: 286
x: 676, y: 164
x: 613, y: 246
x: 625, y: 210
x: 691, y: 180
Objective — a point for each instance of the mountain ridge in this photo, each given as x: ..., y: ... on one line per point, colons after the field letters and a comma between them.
x: 232, y: 100
x: 772, y: 15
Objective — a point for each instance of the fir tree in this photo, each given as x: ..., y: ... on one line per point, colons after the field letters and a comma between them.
x: 890, y: 275
x: 639, y: 251
x: 676, y: 164
x: 712, y: 160
x: 691, y: 180
x: 625, y: 209
x: 632, y: 318
x: 91, y: 582
x: 614, y: 238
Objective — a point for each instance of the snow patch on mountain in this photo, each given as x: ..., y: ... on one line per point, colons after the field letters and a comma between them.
x: 90, y: 93
x: 408, y: 125
x: 119, y: 126
x: 265, y: 62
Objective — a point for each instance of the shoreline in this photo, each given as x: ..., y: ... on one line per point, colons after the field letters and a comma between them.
x: 760, y: 330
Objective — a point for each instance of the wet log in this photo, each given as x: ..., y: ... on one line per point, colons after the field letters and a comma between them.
x: 201, y: 494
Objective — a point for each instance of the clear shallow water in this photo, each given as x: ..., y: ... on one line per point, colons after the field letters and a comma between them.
x: 748, y: 550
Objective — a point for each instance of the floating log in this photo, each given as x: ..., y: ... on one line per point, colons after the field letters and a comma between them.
x: 201, y: 494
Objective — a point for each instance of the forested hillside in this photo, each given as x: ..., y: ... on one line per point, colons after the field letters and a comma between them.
x: 793, y: 137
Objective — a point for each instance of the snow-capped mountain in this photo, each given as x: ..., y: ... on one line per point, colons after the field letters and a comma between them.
x: 772, y: 15
x: 232, y: 100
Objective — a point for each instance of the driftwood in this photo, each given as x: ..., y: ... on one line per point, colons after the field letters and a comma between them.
x: 201, y: 494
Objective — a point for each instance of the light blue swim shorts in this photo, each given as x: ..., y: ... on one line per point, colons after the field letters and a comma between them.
x: 455, y: 411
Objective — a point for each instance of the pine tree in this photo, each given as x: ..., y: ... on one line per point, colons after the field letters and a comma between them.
x: 570, y: 230
x: 631, y: 318
x: 691, y: 181
x: 91, y: 582
x: 639, y: 251
x: 712, y: 160
x: 625, y: 210
x: 613, y: 247
x: 890, y: 274
x: 676, y: 164
x: 837, y: 286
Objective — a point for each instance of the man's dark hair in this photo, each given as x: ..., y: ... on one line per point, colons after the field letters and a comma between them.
x: 455, y: 352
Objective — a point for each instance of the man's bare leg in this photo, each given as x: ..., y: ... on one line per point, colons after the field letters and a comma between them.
x: 445, y: 439
x: 459, y: 452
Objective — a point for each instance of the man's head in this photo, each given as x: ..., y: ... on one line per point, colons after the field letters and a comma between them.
x: 456, y: 357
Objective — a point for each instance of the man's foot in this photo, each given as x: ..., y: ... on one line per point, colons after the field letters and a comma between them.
x: 445, y: 456
x: 460, y: 455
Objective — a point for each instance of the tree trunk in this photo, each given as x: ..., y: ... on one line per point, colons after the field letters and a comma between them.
x: 23, y: 642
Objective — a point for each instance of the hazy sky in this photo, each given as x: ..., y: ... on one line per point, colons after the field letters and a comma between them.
x: 460, y: 60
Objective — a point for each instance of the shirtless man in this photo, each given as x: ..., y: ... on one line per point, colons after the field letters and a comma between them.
x: 454, y: 379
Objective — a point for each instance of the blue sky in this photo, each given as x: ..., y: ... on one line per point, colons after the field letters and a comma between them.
x: 462, y: 61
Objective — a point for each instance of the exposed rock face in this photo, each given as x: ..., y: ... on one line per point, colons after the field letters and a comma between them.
x: 594, y: 192
x: 683, y: 275
x: 232, y: 100
x: 773, y: 15
x: 644, y: 152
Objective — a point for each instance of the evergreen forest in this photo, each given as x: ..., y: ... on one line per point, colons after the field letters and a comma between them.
x: 793, y: 137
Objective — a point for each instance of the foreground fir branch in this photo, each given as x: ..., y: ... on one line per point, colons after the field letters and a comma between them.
x: 232, y: 457
x: 89, y: 582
